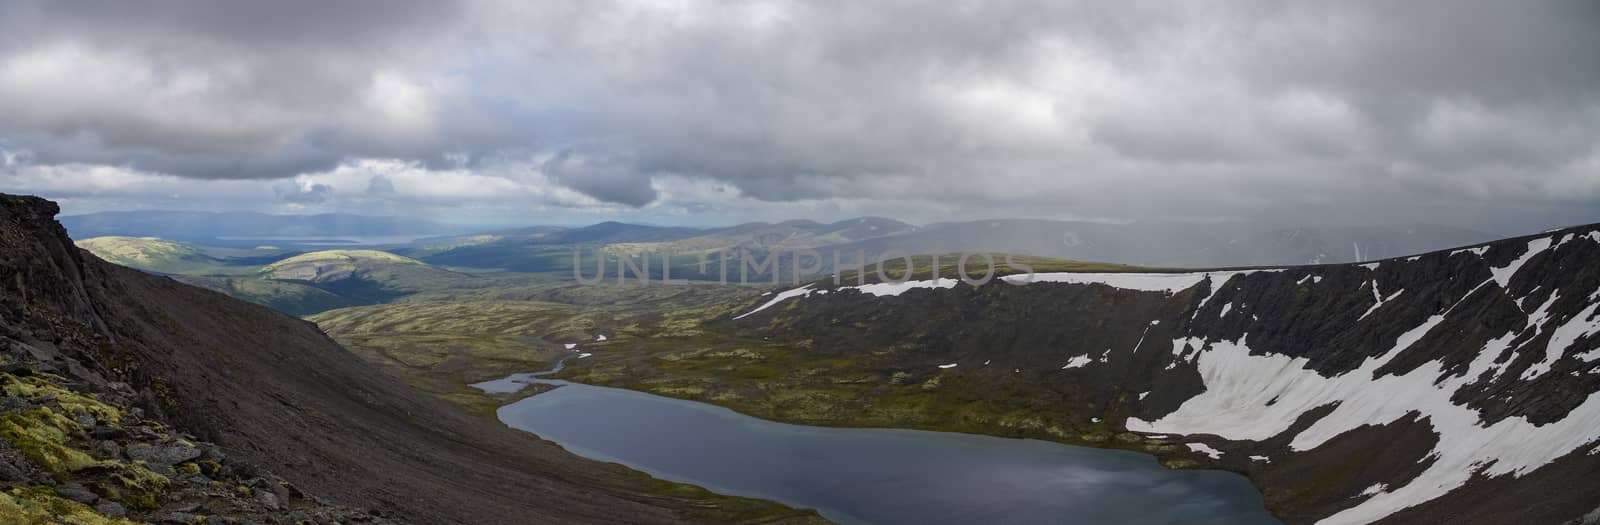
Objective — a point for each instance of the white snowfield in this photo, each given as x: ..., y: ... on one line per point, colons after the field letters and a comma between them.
x: 892, y: 289
x: 1256, y: 397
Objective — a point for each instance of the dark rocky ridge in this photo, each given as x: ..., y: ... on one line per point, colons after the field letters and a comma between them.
x: 273, y: 392
x: 1015, y: 340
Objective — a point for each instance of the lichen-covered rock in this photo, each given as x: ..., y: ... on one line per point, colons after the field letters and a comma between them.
x: 163, y: 454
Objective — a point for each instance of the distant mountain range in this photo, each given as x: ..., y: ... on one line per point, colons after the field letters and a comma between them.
x: 227, y: 229
x: 1153, y: 245
x: 549, y: 248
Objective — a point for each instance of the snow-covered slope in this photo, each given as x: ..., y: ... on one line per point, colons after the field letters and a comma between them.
x: 1307, y: 378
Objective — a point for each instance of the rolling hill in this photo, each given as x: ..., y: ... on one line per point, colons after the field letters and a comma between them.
x: 179, y: 258
x: 366, y: 276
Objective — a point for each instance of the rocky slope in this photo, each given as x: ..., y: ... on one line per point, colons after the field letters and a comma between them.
x: 180, y: 404
x: 1457, y: 386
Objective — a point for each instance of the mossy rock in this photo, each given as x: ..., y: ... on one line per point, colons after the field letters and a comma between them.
x: 40, y: 387
x: 42, y: 436
x: 41, y: 506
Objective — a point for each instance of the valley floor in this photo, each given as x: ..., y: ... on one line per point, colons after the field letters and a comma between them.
x: 664, y: 345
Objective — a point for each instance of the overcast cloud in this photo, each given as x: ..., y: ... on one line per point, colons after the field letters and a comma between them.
x: 1476, y: 113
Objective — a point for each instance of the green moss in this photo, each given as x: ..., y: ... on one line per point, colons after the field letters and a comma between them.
x: 139, y: 487
x: 41, y: 506
x: 42, y: 435
x: 37, y: 387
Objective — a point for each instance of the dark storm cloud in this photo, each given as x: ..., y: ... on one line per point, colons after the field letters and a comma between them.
x: 607, y: 178
x: 1125, y: 110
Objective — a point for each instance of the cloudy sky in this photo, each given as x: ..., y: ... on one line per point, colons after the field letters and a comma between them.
x: 1477, y: 113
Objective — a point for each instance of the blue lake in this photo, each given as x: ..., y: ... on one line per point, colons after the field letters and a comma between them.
x: 882, y: 476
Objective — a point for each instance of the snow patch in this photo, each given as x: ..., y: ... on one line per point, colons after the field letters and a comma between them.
x: 1204, y: 449
x: 1077, y: 362
x: 951, y: 365
x: 571, y: 345
x: 583, y: 355
x: 601, y: 337
x: 782, y: 296
x: 1381, y: 301
x: 893, y: 289
x: 1504, y: 274
x: 1581, y: 325
x: 1255, y: 397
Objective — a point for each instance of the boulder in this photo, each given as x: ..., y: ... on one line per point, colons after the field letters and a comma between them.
x: 163, y: 454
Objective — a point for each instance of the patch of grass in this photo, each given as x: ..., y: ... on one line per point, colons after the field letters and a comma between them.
x: 41, y: 506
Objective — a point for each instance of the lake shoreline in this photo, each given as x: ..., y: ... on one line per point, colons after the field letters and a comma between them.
x: 1021, y: 470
